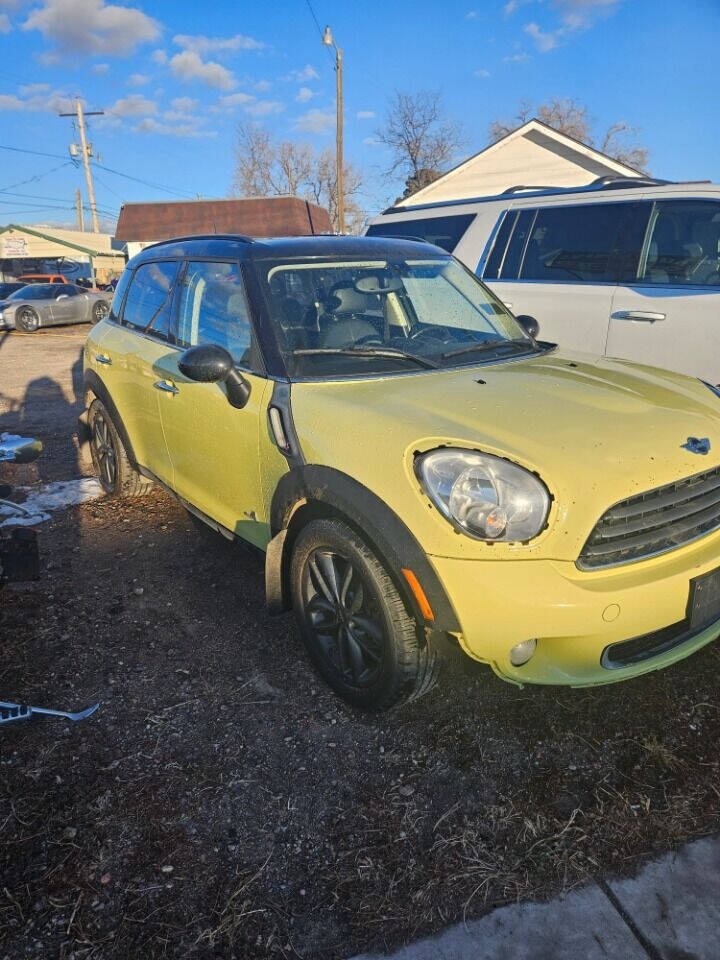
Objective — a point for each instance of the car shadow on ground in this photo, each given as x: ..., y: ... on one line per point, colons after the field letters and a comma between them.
x: 224, y: 801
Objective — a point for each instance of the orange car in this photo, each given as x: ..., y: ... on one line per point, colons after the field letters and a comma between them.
x: 43, y: 278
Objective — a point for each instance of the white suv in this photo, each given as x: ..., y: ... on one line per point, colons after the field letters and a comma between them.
x: 626, y: 267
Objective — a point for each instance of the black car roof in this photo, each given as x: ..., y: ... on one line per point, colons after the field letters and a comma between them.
x: 262, y: 248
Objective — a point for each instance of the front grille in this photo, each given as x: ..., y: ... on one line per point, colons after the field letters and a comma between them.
x: 654, y: 522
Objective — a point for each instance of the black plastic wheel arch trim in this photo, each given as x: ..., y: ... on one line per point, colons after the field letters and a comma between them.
x: 375, y: 521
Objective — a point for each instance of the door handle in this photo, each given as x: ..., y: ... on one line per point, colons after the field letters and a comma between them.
x: 103, y: 358
x: 646, y: 315
x: 165, y: 386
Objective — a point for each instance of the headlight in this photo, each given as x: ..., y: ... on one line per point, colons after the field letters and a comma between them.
x: 486, y: 497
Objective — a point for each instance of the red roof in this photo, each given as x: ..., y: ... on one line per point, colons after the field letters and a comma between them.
x: 255, y: 217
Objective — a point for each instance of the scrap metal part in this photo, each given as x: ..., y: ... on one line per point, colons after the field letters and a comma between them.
x: 10, y: 712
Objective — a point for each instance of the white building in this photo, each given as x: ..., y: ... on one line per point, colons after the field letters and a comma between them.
x: 533, y: 155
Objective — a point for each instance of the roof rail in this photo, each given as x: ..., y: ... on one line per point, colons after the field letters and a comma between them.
x: 520, y: 187
x: 622, y: 181
x: 202, y: 236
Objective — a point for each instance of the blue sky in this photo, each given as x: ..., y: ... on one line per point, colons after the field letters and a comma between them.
x: 176, y: 78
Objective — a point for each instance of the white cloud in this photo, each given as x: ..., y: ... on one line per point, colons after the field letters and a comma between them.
x: 201, y: 44
x: 262, y: 86
x: 5, y: 25
x: 9, y: 101
x: 263, y: 108
x: 189, y: 66
x: 159, y: 56
x: 136, y: 105
x: 182, y: 110
x: 100, y: 69
x: 138, y: 80
x: 371, y: 141
x: 512, y: 5
x: 517, y: 58
x: 186, y: 130
x: 91, y: 27
x: 30, y: 89
x: 302, y: 76
x: 234, y: 100
x: 482, y: 74
x: 365, y: 114
x: 304, y: 94
x: 472, y: 15
x: 316, y: 121
x: 544, y: 42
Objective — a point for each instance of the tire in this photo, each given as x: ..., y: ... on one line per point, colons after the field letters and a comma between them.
x: 354, y: 623
x: 116, y: 475
x: 27, y: 320
x: 99, y: 311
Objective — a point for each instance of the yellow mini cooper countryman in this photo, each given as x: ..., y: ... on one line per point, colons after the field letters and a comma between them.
x: 419, y: 468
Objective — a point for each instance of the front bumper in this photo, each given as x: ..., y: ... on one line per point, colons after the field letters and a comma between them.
x: 575, y: 615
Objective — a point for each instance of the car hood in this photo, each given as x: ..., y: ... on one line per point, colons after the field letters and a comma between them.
x: 596, y: 430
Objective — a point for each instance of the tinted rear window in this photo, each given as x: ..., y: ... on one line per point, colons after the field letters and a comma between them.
x: 445, y: 232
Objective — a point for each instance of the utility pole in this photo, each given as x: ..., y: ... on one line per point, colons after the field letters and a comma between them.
x: 330, y: 42
x: 86, y: 153
x: 79, y: 209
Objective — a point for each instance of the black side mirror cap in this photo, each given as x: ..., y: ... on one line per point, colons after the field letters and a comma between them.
x: 210, y: 363
x: 529, y: 325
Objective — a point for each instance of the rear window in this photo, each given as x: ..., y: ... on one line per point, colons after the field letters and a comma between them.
x: 445, y: 232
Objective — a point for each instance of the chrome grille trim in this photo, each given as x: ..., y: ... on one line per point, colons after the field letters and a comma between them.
x: 654, y: 522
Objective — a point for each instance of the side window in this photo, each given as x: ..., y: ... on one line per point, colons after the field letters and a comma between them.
x: 214, y: 309
x: 149, y: 299
x: 684, y: 245
x: 119, y: 295
x: 574, y: 243
x: 445, y: 232
x: 494, y: 262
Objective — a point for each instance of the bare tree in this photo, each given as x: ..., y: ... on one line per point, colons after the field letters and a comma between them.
x: 421, y: 140
x: 571, y: 117
x: 266, y: 167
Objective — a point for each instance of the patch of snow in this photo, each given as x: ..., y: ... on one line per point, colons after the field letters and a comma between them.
x: 41, y: 501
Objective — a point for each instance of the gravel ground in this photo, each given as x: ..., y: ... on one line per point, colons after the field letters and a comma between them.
x: 223, y: 803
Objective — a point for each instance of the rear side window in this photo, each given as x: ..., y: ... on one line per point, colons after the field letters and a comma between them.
x: 497, y: 254
x: 445, y: 232
x: 684, y: 244
x: 149, y: 299
x: 214, y: 309
x: 574, y: 243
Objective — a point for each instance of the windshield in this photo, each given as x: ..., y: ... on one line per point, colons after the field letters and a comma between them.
x: 349, y: 317
x: 7, y: 288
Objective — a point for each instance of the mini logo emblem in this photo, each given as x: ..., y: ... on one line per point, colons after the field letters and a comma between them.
x: 697, y: 445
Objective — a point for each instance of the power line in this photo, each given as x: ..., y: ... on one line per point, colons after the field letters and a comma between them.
x: 35, y: 153
x: 317, y: 24
x: 38, y: 176
x: 145, y: 183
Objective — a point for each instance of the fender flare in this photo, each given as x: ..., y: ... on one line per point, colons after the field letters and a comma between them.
x: 337, y: 494
x: 93, y: 384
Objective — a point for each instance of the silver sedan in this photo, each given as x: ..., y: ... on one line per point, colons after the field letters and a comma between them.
x: 46, y: 304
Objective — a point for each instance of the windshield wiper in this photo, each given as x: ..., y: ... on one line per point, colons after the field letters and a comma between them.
x: 490, y: 345
x: 366, y: 352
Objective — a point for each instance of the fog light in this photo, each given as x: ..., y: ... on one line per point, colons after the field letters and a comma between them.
x: 522, y: 652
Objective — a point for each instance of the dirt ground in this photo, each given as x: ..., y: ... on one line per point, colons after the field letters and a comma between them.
x: 223, y: 803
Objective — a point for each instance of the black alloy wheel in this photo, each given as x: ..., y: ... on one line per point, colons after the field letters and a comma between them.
x: 100, y: 311
x: 104, y: 453
x: 344, y: 617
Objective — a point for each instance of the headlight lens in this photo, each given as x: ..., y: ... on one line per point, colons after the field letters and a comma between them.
x: 485, y: 496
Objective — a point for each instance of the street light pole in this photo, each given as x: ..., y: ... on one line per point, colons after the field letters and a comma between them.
x: 330, y: 42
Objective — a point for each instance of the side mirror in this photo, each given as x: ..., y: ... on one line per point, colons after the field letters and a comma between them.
x: 209, y: 363
x: 529, y: 325
x: 19, y: 449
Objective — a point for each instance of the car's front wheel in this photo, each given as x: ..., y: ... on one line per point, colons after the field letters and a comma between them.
x: 27, y: 320
x: 116, y: 474
x: 354, y: 623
